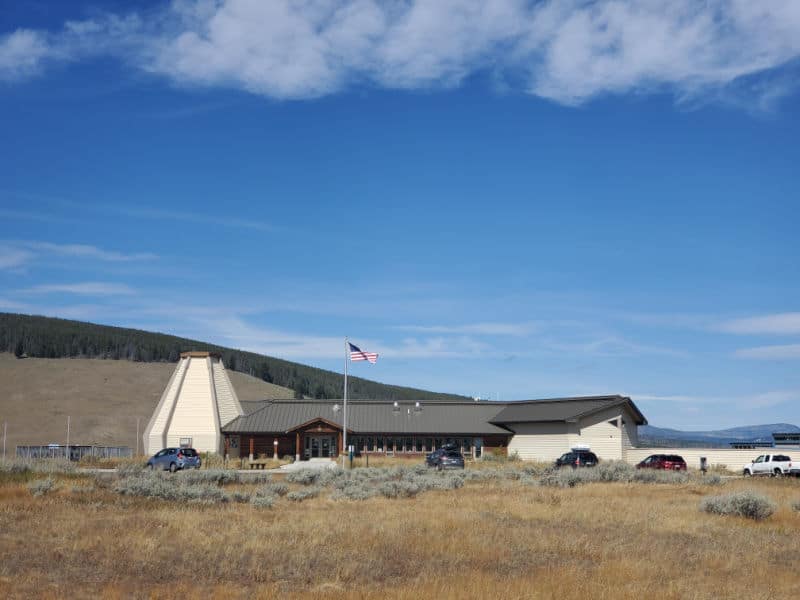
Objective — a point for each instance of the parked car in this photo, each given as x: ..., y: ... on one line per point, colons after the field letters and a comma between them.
x: 669, y: 462
x: 445, y: 459
x: 577, y: 458
x: 772, y: 464
x: 175, y: 459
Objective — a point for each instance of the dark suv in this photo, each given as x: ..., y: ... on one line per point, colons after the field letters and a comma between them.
x: 670, y: 462
x: 174, y: 459
x: 577, y: 458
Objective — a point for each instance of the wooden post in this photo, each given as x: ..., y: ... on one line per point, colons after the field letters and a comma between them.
x: 340, y: 443
x: 227, y: 445
x: 275, y: 449
x: 252, y: 444
x: 297, y: 446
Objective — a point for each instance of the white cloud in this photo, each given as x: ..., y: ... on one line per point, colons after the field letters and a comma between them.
x: 86, y: 251
x: 782, y: 352
x: 568, y: 51
x: 13, y: 258
x: 84, y: 289
x: 778, y: 324
x: 22, y: 53
x: 510, y: 329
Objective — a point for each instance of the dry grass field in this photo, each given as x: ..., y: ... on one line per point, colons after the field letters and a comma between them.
x: 102, y: 397
x: 494, y: 539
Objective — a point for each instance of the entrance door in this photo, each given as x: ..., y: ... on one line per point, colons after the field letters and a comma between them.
x: 320, y: 446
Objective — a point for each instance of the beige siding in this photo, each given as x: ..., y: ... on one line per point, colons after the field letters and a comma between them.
x: 227, y: 402
x: 601, y: 432
x: 540, y: 441
x: 154, y: 435
x: 732, y: 459
x: 194, y: 413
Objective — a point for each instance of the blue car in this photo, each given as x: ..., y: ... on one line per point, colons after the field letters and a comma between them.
x: 175, y: 459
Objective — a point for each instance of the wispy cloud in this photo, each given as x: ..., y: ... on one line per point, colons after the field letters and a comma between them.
x: 192, y: 217
x: 777, y: 324
x: 522, y: 329
x: 742, y: 401
x: 14, y: 258
x: 86, y: 251
x: 568, y: 51
x: 85, y: 289
x: 781, y: 352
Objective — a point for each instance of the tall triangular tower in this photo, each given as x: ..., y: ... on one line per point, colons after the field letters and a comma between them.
x: 198, y: 400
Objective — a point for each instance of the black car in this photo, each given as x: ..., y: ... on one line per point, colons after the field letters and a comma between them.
x: 445, y: 459
x: 577, y: 458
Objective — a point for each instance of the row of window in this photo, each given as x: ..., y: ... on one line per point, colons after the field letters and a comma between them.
x: 369, y: 443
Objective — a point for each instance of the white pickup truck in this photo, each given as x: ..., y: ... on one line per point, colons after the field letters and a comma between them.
x: 772, y: 464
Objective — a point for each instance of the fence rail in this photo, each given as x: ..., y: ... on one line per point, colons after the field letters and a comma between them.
x: 75, y: 453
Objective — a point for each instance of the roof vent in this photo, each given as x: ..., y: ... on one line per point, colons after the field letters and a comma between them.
x: 396, y: 407
x: 336, y: 408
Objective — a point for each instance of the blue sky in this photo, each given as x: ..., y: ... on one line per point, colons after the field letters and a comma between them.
x: 507, y: 199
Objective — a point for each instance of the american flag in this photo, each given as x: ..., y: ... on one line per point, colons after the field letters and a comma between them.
x: 357, y: 353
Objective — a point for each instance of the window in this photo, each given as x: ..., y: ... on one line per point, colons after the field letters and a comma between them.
x: 419, y: 444
x: 438, y: 442
x: 429, y: 444
x: 370, y: 443
x: 409, y: 445
x: 380, y: 444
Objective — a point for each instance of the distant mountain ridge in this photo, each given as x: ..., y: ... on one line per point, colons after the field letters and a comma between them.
x: 47, y: 337
x: 723, y: 437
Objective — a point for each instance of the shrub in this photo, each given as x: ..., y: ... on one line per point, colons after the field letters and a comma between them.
x: 569, y: 477
x: 130, y: 468
x: 747, y: 504
x: 238, y: 497
x: 277, y: 488
x: 52, y: 466
x: 796, y: 505
x: 305, y: 494
x: 652, y: 476
x: 14, y: 466
x: 82, y: 489
x: 351, y: 489
x: 398, y: 489
x: 712, y: 479
x: 41, y: 487
x: 262, y: 501
x: 615, y: 470
x: 303, y: 476
x: 215, y: 476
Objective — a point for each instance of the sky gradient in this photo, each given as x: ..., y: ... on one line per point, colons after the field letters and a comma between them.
x: 507, y: 200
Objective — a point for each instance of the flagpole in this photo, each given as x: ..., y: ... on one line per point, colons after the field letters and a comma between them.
x: 344, y: 417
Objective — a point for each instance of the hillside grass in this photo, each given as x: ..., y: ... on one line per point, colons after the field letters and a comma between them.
x: 103, y: 398
x: 496, y: 538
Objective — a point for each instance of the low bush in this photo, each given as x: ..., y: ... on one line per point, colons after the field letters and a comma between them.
x: 42, y: 487
x: 216, y: 476
x: 304, y: 494
x: 398, y: 489
x: 82, y: 489
x: 796, y: 505
x: 654, y: 476
x: 262, y: 501
x: 747, y: 504
x: 238, y: 497
x: 352, y: 489
x: 277, y: 488
x: 712, y: 479
x: 303, y: 476
x: 129, y: 469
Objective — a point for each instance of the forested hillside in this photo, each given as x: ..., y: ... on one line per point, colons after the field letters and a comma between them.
x: 46, y: 337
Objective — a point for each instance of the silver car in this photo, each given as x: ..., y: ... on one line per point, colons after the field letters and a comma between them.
x: 175, y: 459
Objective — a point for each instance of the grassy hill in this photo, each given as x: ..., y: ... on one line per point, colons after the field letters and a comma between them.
x: 103, y: 398
x: 45, y: 337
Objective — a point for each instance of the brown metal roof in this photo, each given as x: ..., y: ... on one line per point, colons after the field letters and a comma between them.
x: 373, y: 416
x: 562, y: 409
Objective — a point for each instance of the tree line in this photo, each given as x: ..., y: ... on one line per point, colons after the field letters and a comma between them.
x: 46, y: 337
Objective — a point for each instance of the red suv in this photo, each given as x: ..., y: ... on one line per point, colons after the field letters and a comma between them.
x: 670, y: 462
